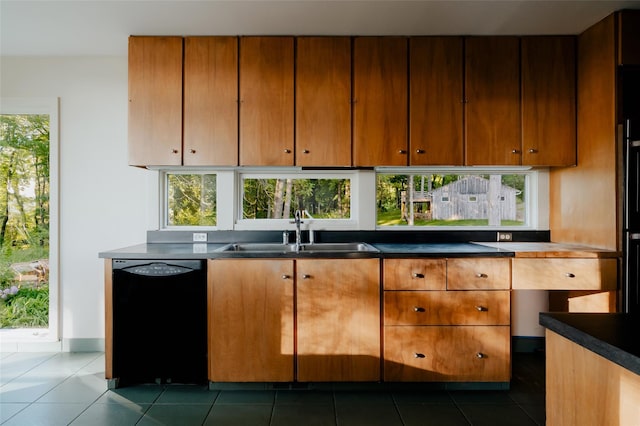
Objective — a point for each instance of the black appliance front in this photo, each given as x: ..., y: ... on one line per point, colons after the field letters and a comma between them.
x: 159, y: 321
x: 631, y: 269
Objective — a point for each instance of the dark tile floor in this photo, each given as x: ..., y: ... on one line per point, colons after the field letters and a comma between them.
x: 69, y: 388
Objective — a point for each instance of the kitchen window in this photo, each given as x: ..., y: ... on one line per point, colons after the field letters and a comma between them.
x: 455, y: 198
x: 190, y: 199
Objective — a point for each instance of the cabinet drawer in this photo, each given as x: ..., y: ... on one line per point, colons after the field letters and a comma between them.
x: 565, y: 274
x: 476, y: 273
x: 447, y: 354
x: 446, y: 308
x: 415, y: 274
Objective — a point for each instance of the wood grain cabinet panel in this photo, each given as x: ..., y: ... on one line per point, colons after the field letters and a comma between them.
x: 266, y: 101
x: 548, y: 101
x: 446, y: 308
x: 338, y: 320
x: 435, y: 101
x: 445, y: 354
x: 415, y: 274
x: 380, y: 101
x: 564, y: 274
x: 155, y: 101
x: 479, y: 273
x: 210, y: 134
x: 323, y: 101
x: 492, y: 95
x: 250, y: 316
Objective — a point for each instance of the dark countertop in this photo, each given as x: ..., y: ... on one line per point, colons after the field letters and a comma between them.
x: 612, y: 336
x: 164, y: 251
x: 440, y: 250
x: 387, y: 250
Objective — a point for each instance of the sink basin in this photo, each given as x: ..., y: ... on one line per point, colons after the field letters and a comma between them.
x: 305, y: 248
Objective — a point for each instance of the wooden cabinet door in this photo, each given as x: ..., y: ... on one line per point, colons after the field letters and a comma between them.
x: 435, y: 97
x: 492, y: 95
x: 323, y: 101
x: 250, y: 312
x: 266, y: 101
x: 338, y: 320
x: 447, y: 354
x: 155, y: 101
x: 380, y: 101
x: 210, y: 101
x: 548, y: 101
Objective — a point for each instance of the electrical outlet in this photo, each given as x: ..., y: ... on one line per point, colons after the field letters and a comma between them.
x: 200, y: 237
x: 504, y: 237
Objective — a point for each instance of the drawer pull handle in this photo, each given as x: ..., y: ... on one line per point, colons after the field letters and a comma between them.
x: 417, y: 275
x: 569, y: 275
x: 285, y: 277
x: 419, y: 309
x: 305, y: 276
x: 287, y: 151
x: 481, y: 275
x: 480, y: 355
x: 481, y: 309
x: 402, y: 151
x: 419, y: 355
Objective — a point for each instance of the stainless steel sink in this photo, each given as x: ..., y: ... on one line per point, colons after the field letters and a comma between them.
x: 304, y: 248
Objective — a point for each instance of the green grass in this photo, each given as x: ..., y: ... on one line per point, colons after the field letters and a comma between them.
x: 393, y: 218
x: 29, y: 308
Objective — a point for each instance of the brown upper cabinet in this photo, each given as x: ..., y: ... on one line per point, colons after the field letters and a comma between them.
x: 155, y: 101
x: 380, y: 101
x: 548, y: 101
x: 435, y: 97
x: 210, y: 101
x: 492, y: 99
x: 323, y: 101
x: 266, y: 101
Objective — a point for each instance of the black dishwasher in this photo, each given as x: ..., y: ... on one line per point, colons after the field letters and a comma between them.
x: 159, y: 321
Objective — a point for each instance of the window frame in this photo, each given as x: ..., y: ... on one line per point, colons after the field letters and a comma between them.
x: 51, y: 107
x: 536, y: 197
x: 164, y: 199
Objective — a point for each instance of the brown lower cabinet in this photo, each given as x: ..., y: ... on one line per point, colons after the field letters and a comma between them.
x: 251, y: 320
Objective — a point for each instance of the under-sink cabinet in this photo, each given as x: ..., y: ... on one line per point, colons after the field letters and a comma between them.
x: 447, y: 320
x: 280, y: 320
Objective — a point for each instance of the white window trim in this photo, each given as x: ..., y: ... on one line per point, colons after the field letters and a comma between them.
x: 49, y: 106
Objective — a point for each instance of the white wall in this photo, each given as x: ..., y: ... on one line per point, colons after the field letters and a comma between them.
x: 104, y: 203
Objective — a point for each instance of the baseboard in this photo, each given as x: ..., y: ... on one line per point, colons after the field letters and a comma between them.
x: 527, y: 344
x: 82, y: 345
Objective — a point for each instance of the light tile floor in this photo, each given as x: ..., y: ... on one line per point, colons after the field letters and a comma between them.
x: 69, y: 388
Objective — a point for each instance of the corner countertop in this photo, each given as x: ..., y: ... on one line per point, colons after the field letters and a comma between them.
x: 612, y: 336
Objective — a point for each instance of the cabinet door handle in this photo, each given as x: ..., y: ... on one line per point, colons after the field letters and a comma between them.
x: 174, y: 151
x: 306, y: 276
x: 480, y: 355
x: 481, y: 275
x: 287, y: 151
x: 419, y: 151
x: 417, y: 275
x: 481, y: 308
x: 193, y: 151
x: 419, y: 355
x: 569, y: 275
x: 305, y: 151
x: 515, y: 151
x: 419, y: 309
x: 285, y: 276
x: 533, y: 151
x: 402, y: 151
